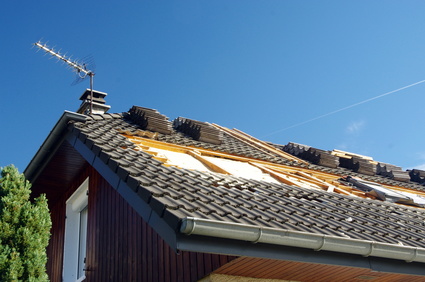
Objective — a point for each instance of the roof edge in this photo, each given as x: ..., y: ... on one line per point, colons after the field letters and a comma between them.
x: 50, y: 144
x: 317, y: 242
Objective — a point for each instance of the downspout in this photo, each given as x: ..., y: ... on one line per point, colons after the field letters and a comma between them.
x: 317, y: 242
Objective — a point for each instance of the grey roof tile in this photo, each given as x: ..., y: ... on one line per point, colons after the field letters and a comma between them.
x: 159, y: 202
x: 146, y: 172
x: 163, y: 176
x: 173, y: 217
x: 104, y: 156
x: 122, y: 173
x: 144, y: 194
x: 143, y: 180
x: 133, y: 183
x: 113, y: 164
x: 175, y: 193
x: 161, y: 183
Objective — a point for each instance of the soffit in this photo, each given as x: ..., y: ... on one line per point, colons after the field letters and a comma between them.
x: 306, y: 272
x: 59, y: 172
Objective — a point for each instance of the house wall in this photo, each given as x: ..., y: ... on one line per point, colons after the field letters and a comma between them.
x: 120, y: 245
x: 58, y: 214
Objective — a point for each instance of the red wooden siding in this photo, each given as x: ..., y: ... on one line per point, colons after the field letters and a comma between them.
x: 120, y: 245
x: 58, y: 213
x: 55, y: 257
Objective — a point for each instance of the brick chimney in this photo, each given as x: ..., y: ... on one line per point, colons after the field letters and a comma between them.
x: 99, y: 106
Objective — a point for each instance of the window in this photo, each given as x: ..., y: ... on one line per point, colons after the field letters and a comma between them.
x: 76, y: 234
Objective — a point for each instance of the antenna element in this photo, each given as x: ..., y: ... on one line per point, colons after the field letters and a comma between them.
x: 79, y: 68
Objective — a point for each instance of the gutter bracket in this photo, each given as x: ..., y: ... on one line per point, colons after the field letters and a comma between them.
x: 192, y: 228
x: 260, y: 234
x: 322, y: 245
x: 372, y: 246
x: 414, y: 256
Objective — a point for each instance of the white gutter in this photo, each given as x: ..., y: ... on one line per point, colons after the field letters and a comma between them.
x: 317, y: 242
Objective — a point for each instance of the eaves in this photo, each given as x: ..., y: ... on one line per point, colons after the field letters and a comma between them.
x: 51, y: 144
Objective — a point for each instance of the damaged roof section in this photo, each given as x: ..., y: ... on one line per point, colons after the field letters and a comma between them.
x: 363, y: 165
x: 219, y: 139
x: 385, y: 194
x: 211, y: 161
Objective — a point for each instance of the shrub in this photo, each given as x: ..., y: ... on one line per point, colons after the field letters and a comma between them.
x: 24, y: 229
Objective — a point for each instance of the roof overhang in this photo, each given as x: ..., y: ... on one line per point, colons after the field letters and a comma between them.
x: 207, y: 244
x: 50, y: 145
x: 303, y: 246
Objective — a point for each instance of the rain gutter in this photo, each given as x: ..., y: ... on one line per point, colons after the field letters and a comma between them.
x: 50, y: 145
x: 317, y: 242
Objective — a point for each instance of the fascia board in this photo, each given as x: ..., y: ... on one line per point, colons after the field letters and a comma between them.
x: 50, y: 145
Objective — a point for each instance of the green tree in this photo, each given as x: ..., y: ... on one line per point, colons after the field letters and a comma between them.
x: 24, y: 229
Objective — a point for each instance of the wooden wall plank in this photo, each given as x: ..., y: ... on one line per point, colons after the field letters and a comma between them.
x: 120, y: 245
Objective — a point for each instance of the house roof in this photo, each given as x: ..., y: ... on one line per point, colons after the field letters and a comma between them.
x: 302, y: 197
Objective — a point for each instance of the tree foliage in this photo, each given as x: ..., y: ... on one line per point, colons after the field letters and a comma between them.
x: 24, y: 229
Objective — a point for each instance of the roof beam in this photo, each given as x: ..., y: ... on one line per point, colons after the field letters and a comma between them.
x: 197, y: 155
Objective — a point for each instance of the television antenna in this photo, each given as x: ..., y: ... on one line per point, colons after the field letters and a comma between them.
x: 81, y: 69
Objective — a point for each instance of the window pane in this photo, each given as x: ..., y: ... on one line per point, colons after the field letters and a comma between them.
x: 82, y: 243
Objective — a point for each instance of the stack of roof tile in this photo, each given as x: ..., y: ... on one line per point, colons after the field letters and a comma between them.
x: 150, y: 119
x: 393, y: 172
x: 198, y: 130
x: 364, y: 166
x: 324, y: 158
x: 296, y: 149
x: 313, y: 155
x: 358, y: 164
x: 417, y: 175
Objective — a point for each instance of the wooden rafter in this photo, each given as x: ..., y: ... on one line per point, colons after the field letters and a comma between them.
x: 197, y: 155
x: 302, y: 177
x: 275, y: 175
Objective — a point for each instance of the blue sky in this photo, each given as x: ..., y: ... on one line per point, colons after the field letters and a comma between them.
x: 268, y: 68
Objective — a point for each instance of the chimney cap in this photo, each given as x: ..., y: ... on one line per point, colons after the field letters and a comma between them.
x: 96, y: 94
x: 98, y: 103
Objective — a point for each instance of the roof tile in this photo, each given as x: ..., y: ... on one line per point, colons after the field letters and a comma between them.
x: 176, y: 193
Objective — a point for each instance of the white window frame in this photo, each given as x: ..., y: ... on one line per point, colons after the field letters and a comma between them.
x: 72, y: 259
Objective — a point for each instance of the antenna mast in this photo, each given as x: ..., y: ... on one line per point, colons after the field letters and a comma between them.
x: 79, y: 68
